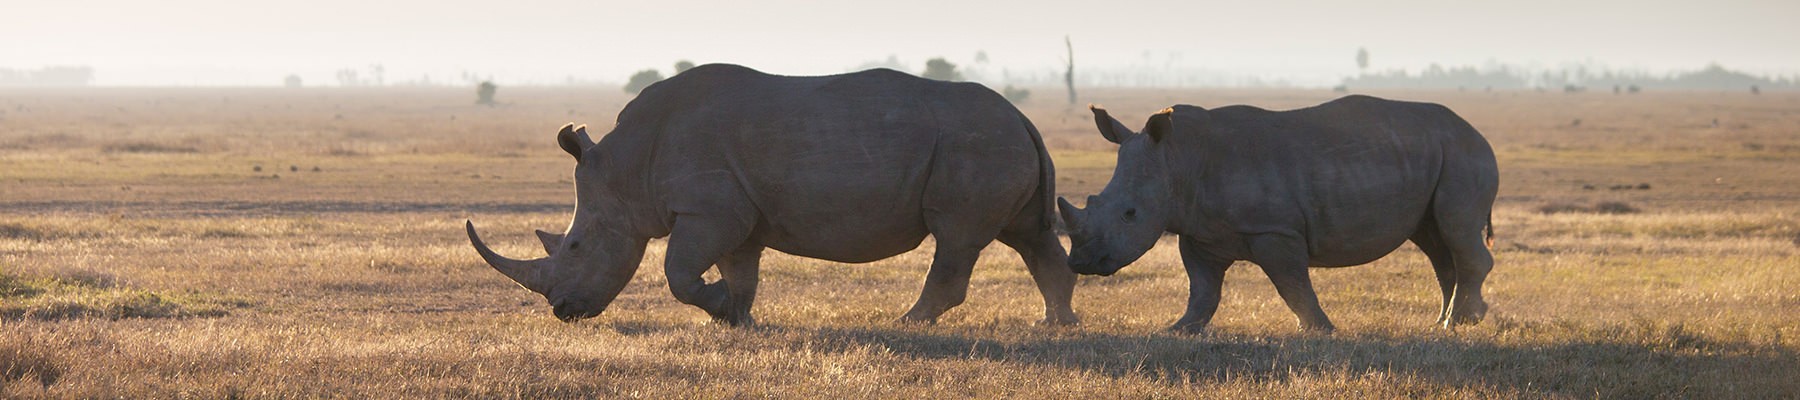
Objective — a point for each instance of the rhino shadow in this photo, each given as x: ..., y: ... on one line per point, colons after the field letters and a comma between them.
x: 1681, y: 366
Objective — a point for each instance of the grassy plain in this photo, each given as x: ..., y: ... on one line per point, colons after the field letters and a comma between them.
x: 251, y: 243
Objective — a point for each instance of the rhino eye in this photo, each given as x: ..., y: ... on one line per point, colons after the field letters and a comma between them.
x: 1130, y: 214
x: 574, y: 244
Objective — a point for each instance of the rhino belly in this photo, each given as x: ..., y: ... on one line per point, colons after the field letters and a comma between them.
x: 848, y: 238
x: 1354, y: 225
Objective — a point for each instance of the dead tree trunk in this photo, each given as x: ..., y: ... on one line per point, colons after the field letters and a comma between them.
x: 1069, y: 74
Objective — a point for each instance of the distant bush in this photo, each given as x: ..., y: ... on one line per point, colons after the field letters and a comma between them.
x: 147, y: 147
x: 683, y: 66
x: 940, y: 69
x: 484, y: 93
x: 1560, y: 208
x: 1614, y: 207
x: 1015, y: 95
x: 641, y: 80
x: 1604, y: 207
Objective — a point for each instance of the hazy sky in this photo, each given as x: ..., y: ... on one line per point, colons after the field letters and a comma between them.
x: 206, y: 42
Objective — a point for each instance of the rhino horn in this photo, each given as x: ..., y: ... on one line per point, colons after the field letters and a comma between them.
x: 525, y: 272
x: 1070, y: 214
x: 550, y: 240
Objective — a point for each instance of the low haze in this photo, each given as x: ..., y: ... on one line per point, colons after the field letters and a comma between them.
x: 1301, y: 43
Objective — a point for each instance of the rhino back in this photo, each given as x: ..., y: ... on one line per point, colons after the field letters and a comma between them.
x: 1354, y: 177
x: 838, y: 167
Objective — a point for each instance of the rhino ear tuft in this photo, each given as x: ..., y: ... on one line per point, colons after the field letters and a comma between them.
x: 1161, y: 125
x: 574, y: 140
x: 1110, y: 128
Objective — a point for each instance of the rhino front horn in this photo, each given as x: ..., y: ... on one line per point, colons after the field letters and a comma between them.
x: 525, y: 272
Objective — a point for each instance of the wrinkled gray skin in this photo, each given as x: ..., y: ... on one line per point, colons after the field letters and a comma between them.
x: 1339, y: 184
x: 726, y: 161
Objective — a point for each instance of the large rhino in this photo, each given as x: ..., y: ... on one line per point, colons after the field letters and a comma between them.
x: 726, y: 161
x: 1338, y: 184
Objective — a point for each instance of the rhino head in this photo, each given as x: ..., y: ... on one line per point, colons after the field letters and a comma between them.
x: 590, y: 263
x: 1131, y: 213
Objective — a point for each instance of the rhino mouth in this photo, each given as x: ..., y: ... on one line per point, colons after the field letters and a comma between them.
x: 567, y: 313
x: 1097, y: 265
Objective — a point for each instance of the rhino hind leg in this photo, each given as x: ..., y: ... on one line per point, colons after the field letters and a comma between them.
x: 1206, y: 280
x: 695, y: 244
x: 739, y: 272
x: 1472, y: 262
x: 1443, y: 263
x: 1049, y: 267
x: 946, y: 284
x: 1462, y: 211
x: 1284, y: 259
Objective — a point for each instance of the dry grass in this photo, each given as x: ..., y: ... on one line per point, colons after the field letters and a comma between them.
x: 195, y: 275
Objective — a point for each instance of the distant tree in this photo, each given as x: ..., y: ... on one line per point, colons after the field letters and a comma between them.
x: 348, y: 77
x: 1362, y: 59
x: 292, y: 81
x: 981, y: 57
x: 683, y: 66
x: 1015, y: 95
x: 1069, y: 74
x: 484, y: 93
x: 939, y: 69
x: 641, y: 80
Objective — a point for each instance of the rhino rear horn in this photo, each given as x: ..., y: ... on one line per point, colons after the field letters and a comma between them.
x: 550, y: 240
x: 574, y: 140
x: 1070, y: 214
x: 526, y: 272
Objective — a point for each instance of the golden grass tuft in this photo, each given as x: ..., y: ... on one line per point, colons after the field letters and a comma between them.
x: 24, y: 361
x: 80, y: 294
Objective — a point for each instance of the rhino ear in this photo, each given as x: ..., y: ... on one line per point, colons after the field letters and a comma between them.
x: 1070, y: 214
x: 1161, y: 125
x: 550, y: 240
x: 1109, y: 127
x: 574, y: 140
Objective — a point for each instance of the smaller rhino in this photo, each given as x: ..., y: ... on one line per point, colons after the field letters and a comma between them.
x: 1338, y: 184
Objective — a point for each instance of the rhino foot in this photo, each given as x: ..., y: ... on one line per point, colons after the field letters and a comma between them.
x: 1188, y: 328
x: 1060, y: 320
x: 735, y: 321
x: 916, y: 319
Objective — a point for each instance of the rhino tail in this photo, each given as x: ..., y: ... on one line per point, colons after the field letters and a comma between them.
x: 1046, y: 175
x: 1490, y: 230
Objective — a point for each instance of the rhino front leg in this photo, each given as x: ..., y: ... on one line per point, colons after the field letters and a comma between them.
x: 695, y: 244
x: 1206, y: 279
x: 1284, y: 259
